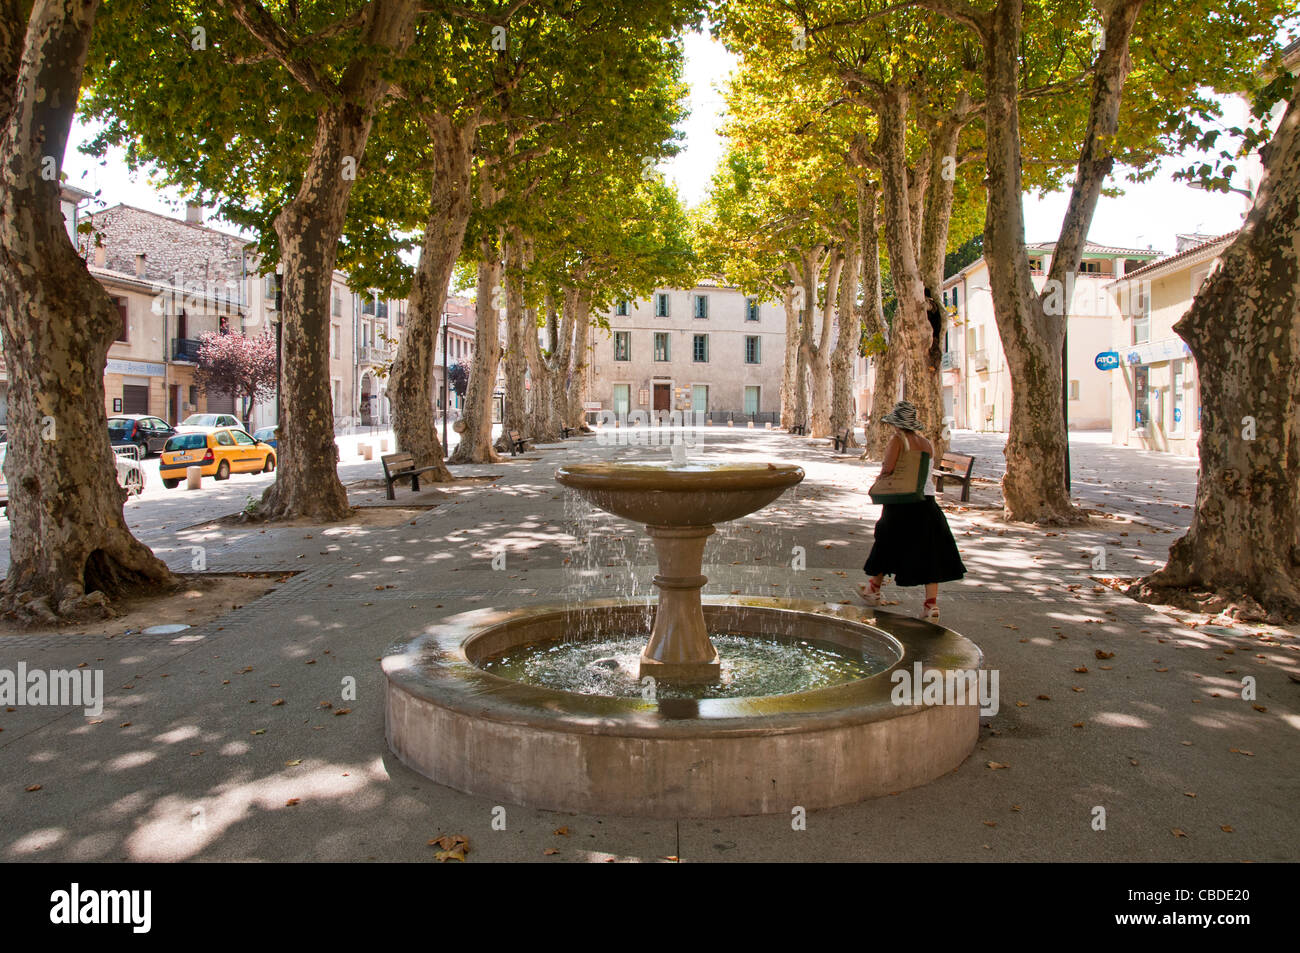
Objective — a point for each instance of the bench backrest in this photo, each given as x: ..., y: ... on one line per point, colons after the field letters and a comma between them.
x: 514, y: 435
x: 397, y: 461
x: 961, y: 462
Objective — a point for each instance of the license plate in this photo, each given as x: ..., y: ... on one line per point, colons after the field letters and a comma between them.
x: 182, y: 458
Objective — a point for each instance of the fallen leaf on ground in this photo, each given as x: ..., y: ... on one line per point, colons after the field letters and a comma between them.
x: 997, y: 765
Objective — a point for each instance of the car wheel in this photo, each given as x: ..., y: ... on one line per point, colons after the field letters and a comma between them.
x: 270, y: 464
x: 223, y: 471
x: 143, y: 447
x: 171, y: 484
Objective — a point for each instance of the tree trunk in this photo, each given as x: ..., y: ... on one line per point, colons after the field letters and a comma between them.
x: 843, y: 408
x: 308, y: 227
x: 411, y: 383
x: 517, y: 333
x: 70, y: 549
x: 1242, y: 552
x: 912, y: 334
x: 821, y: 351
x: 808, y: 271
x: 573, y: 346
x: 790, y: 369
x: 476, y: 440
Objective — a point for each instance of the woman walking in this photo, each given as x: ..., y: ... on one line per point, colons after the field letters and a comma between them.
x: 913, y: 541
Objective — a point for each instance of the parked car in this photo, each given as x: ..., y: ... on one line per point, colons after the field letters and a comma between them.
x: 268, y: 436
x: 147, y: 433
x: 197, y: 423
x: 218, y: 453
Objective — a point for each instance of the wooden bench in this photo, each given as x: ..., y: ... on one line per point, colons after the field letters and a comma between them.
x: 516, y: 441
x: 398, y: 466
x: 955, y: 466
x: 799, y: 430
x: 567, y: 432
x: 842, y: 440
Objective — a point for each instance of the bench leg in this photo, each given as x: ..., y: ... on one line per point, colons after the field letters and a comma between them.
x: 391, y: 496
x: 415, y: 483
x: 965, y: 491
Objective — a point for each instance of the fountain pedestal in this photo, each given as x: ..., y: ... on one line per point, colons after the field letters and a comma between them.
x: 679, y: 649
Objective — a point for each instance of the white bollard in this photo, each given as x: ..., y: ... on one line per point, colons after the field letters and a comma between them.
x: 751, y: 425
x: 768, y: 425
x: 193, y: 478
x: 383, y: 445
x: 367, y: 451
x: 731, y: 423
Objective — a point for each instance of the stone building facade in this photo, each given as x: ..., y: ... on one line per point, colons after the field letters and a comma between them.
x: 704, y: 349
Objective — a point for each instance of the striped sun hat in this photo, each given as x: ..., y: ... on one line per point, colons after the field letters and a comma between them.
x: 903, y: 415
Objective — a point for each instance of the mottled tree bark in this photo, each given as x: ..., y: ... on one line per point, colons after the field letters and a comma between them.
x: 476, y: 440
x: 1034, y: 486
x: 517, y: 334
x: 575, y: 356
x: 410, y: 386
x: 790, y: 367
x: 884, y: 391
x: 843, y: 408
x: 70, y: 549
x: 806, y: 273
x: 308, y: 227
x: 1242, y: 552
x: 912, y: 333
x: 819, y: 354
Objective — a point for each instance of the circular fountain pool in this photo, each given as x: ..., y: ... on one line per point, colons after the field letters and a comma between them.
x: 452, y: 717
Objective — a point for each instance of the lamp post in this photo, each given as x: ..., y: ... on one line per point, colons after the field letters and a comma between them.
x: 446, y: 401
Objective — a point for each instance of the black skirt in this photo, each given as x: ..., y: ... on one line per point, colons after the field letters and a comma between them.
x: 914, y: 545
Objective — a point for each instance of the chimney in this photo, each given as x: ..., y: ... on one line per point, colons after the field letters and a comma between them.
x: 193, y: 213
x: 101, y: 255
x: 139, y: 265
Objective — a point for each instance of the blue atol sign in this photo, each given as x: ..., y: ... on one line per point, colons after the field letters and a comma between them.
x: 1107, y: 360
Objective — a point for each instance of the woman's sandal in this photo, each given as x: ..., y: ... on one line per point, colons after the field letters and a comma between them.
x: 930, y: 610
x: 870, y: 594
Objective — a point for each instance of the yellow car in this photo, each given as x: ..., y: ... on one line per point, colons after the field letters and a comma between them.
x: 219, y: 453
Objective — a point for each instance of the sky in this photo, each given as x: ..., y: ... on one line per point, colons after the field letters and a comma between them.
x: 1148, y: 214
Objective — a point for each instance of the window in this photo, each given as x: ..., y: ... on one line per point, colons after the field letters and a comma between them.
x: 1178, y: 370
x: 336, y: 386
x: 338, y: 303
x: 701, y: 306
x: 700, y: 397
x: 622, y: 345
x: 122, y: 335
x: 223, y: 438
x: 751, y: 309
x: 753, y: 353
x: 270, y: 286
x: 954, y: 297
x: 243, y: 439
x: 622, y: 399
x: 1036, y: 266
x: 1142, y: 320
x: 751, y: 400
x: 661, y: 345
x: 620, y: 309
x: 700, y: 349
x: 1090, y: 268
x: 661, y: 306
x: 368, y: 304
x: 336, y: 340
x: 1074, y: 390
x: 1141, y: 415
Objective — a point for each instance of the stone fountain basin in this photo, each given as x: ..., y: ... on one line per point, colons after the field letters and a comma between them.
x: 461, y: 726
x: 691, y: 494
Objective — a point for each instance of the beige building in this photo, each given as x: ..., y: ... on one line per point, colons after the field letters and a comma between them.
x: 705, y: 349
x: 1157, y: 402
x: 976, y: 378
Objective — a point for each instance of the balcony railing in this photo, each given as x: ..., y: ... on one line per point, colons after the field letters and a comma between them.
x: 186, y: 349
x: 375, y: 355
x: 980, y: 359
x: 949, y: 362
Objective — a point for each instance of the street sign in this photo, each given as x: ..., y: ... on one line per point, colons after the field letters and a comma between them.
x: 1107, y: 360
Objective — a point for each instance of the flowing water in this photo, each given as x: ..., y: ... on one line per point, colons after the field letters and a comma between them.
x: 751, y: 666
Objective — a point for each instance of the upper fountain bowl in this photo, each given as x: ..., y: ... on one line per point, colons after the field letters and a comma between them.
x: 690, y: 494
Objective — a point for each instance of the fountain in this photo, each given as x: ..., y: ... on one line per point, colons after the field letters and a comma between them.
x: 687, y: 746
x: 680, y: 505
